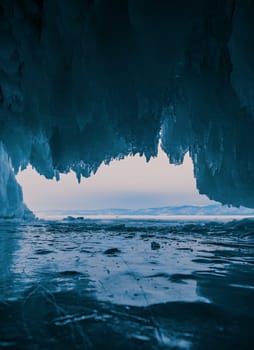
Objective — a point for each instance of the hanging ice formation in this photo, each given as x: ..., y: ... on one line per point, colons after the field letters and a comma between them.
x: 86, y: 81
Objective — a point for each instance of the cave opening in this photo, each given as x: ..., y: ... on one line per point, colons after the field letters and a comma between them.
x: 129, y: 184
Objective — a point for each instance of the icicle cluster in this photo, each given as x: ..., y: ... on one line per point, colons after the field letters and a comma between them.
x: 83, y: 82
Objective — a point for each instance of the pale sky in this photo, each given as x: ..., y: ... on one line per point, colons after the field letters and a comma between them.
x: 128, y: 183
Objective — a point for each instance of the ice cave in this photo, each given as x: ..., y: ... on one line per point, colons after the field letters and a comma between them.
x: 84, y: 82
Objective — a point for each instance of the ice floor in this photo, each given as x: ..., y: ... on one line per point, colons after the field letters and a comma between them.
x: 127, y: 284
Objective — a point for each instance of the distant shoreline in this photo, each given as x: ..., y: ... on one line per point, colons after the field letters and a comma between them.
x: 209, y: 212
x: 186, y: 210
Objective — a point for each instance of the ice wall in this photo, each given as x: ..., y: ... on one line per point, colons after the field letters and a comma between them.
x: 11, y: 199
x: 83, y: 81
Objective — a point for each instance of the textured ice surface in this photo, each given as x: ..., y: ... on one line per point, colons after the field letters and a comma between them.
x: 128, y: 284
x: 11, y: 198
x: 82, y: 82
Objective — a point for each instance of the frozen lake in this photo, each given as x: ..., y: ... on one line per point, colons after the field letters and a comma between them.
x: 127, y: 283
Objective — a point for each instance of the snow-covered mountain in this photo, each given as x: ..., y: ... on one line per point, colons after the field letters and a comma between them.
x: 215, y: 209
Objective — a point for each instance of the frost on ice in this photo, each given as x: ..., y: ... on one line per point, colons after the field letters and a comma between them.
x: 82, y: 82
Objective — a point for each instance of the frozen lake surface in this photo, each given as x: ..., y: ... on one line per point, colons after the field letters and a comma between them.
x: 129, y: 283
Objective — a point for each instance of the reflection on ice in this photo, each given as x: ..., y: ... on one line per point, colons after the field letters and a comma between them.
x: 95, y: 284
